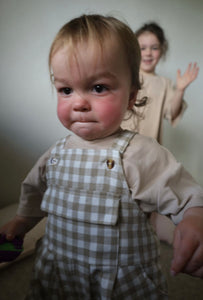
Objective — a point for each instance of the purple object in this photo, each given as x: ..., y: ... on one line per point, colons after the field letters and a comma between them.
x: 10, y: 250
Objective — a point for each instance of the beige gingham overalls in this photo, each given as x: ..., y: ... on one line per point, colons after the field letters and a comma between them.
x: 98, y: 244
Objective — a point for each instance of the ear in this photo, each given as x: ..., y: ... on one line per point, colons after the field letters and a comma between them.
x: 132, y: 98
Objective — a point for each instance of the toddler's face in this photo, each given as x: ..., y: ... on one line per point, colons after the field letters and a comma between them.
x: 150, y: 51
x: 93, y: 89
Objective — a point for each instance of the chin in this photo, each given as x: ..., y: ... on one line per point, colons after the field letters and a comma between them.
x: 85, y: 135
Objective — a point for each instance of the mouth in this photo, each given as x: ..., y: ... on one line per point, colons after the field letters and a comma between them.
x: 147, y: 61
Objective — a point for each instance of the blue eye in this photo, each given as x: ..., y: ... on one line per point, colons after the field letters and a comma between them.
x: 99, y: 88
x: 65, y: 91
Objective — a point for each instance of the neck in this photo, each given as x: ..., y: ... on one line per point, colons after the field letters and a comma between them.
x: 147, y: 73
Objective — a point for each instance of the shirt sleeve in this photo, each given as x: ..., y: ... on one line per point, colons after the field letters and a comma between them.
x: 33, y: 188
x: 158, y: 182
x: 169, y: 94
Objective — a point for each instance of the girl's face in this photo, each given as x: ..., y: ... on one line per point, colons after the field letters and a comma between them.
x: 150, y: 51
x: 93, y: 89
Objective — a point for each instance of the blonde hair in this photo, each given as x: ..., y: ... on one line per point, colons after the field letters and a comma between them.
x: 98, y: 28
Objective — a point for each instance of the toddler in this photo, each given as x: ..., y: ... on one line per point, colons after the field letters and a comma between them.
x: 99, y: 184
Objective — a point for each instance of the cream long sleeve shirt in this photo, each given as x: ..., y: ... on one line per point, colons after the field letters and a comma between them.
x: 156, y: 180
x: 148, y: 119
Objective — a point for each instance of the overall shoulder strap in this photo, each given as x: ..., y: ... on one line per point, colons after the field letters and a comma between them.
x: 60, y: 144
x: 123, y: 140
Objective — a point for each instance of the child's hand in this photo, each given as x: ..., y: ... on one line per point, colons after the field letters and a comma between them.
x: 18, y: 226
x: 190, y: 75
x: 188, y: 244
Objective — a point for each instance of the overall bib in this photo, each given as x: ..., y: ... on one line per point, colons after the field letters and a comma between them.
x: 98, y: 243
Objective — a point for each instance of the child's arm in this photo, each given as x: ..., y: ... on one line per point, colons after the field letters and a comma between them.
x: 32, y: 190
x: 181, y: 84
x: 188, y: 244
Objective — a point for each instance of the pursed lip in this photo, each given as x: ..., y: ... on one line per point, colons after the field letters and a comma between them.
x: 83, y: 118
x: 83, y: 121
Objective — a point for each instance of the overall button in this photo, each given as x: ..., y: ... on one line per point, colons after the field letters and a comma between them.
x: 110, y: 163
x: 53, y: 161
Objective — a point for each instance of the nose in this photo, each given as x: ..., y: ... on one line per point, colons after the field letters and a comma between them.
x: 148, y: 51
x: 81, y: 104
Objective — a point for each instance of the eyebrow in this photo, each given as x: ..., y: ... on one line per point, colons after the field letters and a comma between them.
x: 101, y: 75
x: 90, y: 78
x: 61, y: 80
x: 144, y: 44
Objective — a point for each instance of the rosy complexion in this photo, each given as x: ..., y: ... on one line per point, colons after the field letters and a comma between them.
x: 150, y: 51
x: 93, y: 89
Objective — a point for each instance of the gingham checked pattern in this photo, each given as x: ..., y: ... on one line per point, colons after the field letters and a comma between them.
x: 101, y: 243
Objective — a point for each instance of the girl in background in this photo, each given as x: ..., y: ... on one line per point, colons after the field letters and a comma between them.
x: 163, y: 100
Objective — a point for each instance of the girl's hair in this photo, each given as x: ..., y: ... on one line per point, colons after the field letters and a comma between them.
x: 158, y: 32
x: 99, y: 29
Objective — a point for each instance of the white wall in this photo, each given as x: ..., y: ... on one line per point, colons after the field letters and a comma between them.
x: 27, y: 116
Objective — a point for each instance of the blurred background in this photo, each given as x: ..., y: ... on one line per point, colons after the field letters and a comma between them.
x: 28, y: 121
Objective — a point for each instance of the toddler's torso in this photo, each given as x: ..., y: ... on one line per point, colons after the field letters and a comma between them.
x: 98, y: 244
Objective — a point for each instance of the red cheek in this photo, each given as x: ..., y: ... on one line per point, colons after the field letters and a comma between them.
x: 59, y: 111
x: 63, y: 113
